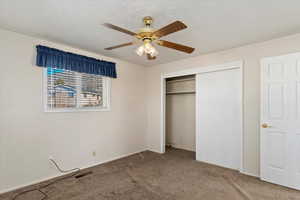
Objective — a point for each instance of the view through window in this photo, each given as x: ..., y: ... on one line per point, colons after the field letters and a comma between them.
x: 72, y: 90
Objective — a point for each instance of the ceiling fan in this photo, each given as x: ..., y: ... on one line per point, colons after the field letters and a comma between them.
x: 148, y: 36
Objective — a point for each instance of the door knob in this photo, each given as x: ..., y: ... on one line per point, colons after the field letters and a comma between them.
x: 265, y: 125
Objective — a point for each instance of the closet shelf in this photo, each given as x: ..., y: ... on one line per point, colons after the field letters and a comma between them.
x: 181, y: 92
x: 181, y: 80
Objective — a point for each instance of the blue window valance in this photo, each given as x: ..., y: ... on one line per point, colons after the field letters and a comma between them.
x: 50, y: 57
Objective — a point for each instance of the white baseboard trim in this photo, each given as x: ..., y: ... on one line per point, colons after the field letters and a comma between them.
x: 155, y: 151
x: 250, y: 174
x: 59, y: 175
x: 93, y: 165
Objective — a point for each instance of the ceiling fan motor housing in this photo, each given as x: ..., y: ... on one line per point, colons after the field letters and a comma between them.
x: 148, y: 20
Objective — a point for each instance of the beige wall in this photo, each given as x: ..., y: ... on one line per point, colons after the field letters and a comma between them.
x: 28, y: 135
x: 251, y: 56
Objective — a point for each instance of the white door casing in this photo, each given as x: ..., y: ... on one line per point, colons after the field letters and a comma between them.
x: 280, y: 120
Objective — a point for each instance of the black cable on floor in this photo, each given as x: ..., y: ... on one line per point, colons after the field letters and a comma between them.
x: 40, y: 188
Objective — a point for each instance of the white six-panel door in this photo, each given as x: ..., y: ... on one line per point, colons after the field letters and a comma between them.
x: 280, y: 120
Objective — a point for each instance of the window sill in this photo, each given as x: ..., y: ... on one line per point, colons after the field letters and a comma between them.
x: 76, y: 110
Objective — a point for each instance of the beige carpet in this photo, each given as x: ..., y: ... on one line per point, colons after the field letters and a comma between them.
x: 172, y: 176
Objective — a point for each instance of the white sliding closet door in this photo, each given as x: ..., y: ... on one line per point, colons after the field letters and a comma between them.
x: 219, y: 121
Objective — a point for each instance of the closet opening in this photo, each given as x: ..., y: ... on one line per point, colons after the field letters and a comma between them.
x: 180, y: 113
x: 202, y: 114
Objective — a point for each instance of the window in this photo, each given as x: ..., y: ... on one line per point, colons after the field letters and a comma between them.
x: 67, y: 90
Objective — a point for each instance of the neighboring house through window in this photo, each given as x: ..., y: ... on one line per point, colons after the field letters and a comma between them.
x: 67, y: 90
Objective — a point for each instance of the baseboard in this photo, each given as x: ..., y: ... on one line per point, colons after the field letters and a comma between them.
x: 59, y: 175
x: 93, y: 165
x: 249, y: 174
x: 155, y: 151
x: 183, y: 148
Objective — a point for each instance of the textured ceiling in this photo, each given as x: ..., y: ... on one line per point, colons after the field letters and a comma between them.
x: 212, y: 24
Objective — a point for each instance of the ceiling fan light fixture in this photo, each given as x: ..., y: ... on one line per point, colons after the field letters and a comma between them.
x: 153, y: 52
x: 150, y: 49
x: 146, y: 48
x: 140, y: 50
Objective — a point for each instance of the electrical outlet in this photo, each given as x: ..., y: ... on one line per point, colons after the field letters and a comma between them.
x: 94, y: 153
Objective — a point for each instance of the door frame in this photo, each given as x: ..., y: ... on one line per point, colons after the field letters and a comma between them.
x: 199, y: 70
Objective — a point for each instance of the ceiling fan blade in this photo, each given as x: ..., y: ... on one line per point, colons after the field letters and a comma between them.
x: 117, y: 28
x: 175, y: 46
x: 120, y: 45
x: 151, y: 57
x: 171, y: 28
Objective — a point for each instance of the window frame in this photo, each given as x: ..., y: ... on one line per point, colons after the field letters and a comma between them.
x: 106, y: 97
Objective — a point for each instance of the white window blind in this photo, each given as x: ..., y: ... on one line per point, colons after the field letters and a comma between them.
x: 70, y: 91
